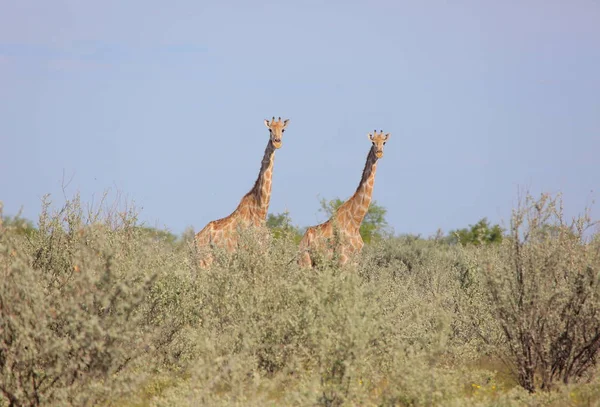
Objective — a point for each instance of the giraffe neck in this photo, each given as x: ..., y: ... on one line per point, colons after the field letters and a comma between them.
x: 358, y: 204
x: 261, y: 192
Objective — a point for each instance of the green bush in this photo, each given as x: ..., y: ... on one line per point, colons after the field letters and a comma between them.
x: 97, y: 309
x: 544, y: 290
x: 79, y: 308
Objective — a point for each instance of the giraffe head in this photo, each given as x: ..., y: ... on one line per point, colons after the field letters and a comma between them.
x: 276, y: 129
x: 378, y: 140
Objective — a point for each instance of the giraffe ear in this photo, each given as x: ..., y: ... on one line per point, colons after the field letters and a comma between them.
x: 267, y: 123
x: 370, y: 137
x: 285, y: 122
x: 387, y: 136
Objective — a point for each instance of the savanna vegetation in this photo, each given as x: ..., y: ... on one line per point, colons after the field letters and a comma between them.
x: 98, y: 309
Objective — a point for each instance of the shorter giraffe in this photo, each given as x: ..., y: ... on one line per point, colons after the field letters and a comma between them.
x: 341, y: 232
x: 252, y: 209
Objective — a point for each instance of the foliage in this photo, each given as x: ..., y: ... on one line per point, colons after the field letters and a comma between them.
x: 281, y: 225
x: 544, y: 289
x: 374, y: 225
x: 79, y: 308
x: 158, y: 234
x: 18, y: 225
x: 478, y: 234
x: 97, y: 310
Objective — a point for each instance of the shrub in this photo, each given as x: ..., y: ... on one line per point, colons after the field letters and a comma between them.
x: 544, y: 291
x: 96, y: 309
x: 68, y: 323
x: 83, y: 304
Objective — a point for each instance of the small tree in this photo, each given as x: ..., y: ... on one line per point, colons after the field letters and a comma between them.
x: 374, y: 224
x: 544, y: 291
x: 281, y: 224
x: 157, y: 234
x: 70, y: 322
x: 20, y: 226
x: 480, y: 233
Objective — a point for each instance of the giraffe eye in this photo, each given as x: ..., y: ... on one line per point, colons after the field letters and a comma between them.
x: 270, y: 130
x: 283, y: 130
x: 384, y: 142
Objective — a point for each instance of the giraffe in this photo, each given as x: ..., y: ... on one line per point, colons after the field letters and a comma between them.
x: 253, y: 207
x: 345, y: 223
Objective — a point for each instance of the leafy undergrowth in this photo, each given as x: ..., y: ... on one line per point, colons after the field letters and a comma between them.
x: 94, y: 310
x: 486, y: 389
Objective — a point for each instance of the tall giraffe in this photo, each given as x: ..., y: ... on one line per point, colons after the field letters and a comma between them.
x: 345, y: 223
x: 252, y: 209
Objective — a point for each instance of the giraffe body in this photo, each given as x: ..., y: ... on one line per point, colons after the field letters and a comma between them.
x: 252, y: 209
x: 341, y: 233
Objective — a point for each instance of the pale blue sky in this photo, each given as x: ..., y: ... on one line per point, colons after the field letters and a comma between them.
x: 165, y: 101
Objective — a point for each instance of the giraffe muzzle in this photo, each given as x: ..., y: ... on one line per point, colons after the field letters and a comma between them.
x: 379, y: 154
